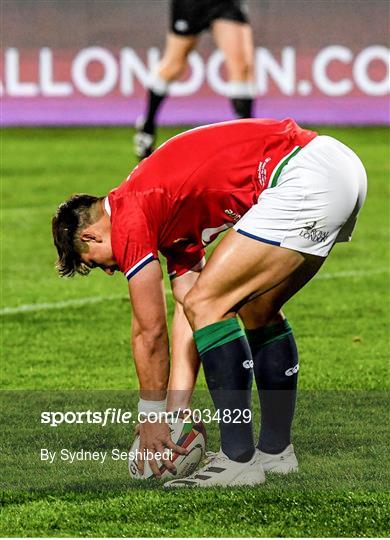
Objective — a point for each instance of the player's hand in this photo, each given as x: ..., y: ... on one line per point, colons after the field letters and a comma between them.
x: 156, y: 437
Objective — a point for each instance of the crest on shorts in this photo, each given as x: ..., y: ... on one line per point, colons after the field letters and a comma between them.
x: 310, y: 232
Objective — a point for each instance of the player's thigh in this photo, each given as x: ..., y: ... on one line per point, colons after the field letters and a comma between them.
x: 238, y: 268
x: 177, y: 48
x: 233, y: 38
x: 265, y: 308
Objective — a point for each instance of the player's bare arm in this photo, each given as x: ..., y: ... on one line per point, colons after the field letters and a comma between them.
x: 151, y: 354
x: 185, y: 358
x: 149, y: 332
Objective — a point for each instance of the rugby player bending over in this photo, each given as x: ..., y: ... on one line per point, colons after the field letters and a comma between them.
x: 287, y: 195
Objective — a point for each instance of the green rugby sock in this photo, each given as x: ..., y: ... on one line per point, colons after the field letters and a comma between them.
x: 276, y: 367
x: 227, y: 365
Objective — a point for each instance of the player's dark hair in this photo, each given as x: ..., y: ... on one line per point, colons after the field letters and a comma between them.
x: 71, y: 218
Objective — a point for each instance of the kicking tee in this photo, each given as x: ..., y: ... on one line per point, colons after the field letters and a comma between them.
x: 195, y: 186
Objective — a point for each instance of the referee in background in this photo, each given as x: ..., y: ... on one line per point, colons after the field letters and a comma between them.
x: 229, y: 25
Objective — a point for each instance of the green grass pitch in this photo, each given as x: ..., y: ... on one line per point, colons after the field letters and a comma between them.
x: 72, y: 336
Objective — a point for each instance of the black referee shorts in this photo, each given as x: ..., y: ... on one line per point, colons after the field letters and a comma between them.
x: 190, y: 17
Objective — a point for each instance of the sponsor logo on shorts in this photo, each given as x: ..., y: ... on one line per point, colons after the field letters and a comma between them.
x: 310, y: 232
x: 248, y: 364
x: 292, y: 370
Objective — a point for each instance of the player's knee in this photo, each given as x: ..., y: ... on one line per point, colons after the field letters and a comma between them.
x: 195, y: 306
x: 260, y: 320
x: 190, y: 306
x: 201, y: 309
x: 258, y: 315
x: 242, y: 70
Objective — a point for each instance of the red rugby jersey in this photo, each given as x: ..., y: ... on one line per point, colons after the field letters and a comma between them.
x: 194, y: 186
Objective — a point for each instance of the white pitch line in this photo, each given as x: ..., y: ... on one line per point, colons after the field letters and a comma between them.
x: 76, y: 302
x: 352, y: 273
x: 27, y: 308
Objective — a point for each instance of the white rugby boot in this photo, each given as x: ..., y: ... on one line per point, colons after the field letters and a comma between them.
x: 284, y: 463
x: 224, y: 472
x: 143, y: 141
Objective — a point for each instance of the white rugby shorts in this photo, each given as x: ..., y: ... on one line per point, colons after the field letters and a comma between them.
x: 315, y: 202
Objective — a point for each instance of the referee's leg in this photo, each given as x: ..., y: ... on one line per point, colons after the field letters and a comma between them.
x: 170, y: 68
x: 236, y: 42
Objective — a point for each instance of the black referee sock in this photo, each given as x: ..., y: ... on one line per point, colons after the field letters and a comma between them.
x: 242, y: 107
x: 227, y: 365
x: 154, y: 102
x: 276, y: 367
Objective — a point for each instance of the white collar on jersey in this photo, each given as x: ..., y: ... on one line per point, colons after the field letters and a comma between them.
x: 107, y: 206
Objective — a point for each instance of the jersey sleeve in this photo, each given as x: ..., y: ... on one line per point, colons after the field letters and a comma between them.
x: 181, y: 263
x: 137, y: 260
x: 133, y: 243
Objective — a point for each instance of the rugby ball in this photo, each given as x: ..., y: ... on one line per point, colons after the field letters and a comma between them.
x: 187, y: 434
